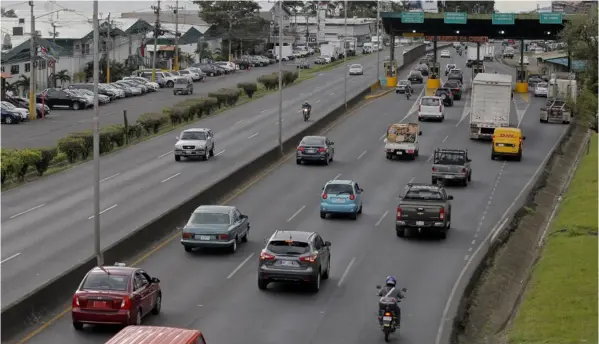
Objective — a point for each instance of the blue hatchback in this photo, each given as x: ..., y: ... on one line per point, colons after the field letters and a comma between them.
x: 341, y: 197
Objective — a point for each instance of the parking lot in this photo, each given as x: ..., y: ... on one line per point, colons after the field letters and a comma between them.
x: 62, y: 121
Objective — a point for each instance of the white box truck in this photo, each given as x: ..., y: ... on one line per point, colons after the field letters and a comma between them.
x: 489, y: 52
x: 491, y: 104
x: 471, y: 55
x: 334, y: 50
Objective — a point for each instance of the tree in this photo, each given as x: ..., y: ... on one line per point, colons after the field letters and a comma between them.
x: 23, y: 82
x: 8, y: 13
x: 360, y: 9
x: 467, y: 6
x: 63, y: 76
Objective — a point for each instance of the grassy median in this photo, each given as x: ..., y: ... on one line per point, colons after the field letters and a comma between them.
x: 560, y: 304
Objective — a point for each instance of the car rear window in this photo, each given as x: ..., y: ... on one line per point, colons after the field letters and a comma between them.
x: 288, y: 247
x: 423, y: 194
x: 105, y: 281
x: 451, y: 84
x: 449, y: 158
x: 356, y: 66
x: 542, y: 84
x: 182, y: 81
x: 209, y: 219
x: 338, y: 189
x: 313, y: 141
x: 429, y: 102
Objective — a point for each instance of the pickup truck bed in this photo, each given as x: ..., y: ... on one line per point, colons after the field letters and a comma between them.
x: 420, y: 215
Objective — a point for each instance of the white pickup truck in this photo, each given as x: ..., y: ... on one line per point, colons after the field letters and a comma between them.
x: 402, y: 140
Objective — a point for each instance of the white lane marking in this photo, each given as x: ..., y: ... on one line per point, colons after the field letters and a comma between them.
x: 256, y: 134
x: 171, y: 177
x: 414, y: 107
x: 411, y: 180
x: 318, y: 101
x: 263, y: 111
x: 103, y: 211
x: 429, y: 158
x: 107, y: 178
x: 11, y: 257
x: 381, y: 218
x: 445, y: 139
x: 361, y: 155
x: 337, y: 176
x: 332, y: 94
x: 353, y: 82
x: 240, y: 265
x: 346, y: 271
x: 239, y: 121
x: 382, y: 137
x: 466, y: 257
x: 221, y: 152
x: 492, y: 234
x: 165, y: 154
x: 28, y: 210
x: 296, y: 213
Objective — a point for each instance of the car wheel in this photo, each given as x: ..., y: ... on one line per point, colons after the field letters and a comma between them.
x: 177, y: 158
x: 353, y: 216
x: 76, y: 106
x: 470, y: 177
x: 206, y: 156
x: 327, y: 272
x: 360, y: 210
x: 400, y: 232
x: 233, y: 248
x: 327, y: 161
x: 8, y: 120
x: 262, y: 284
x: 298, y: 161
x: 246, y: 236
x: 170, y: 84
x: 188, y: 248
x: 416, y: 152
x: 158, y: 305
x: 315, y: 285
x: 323, y: 215
x: 433, y: 181
x: 443, y: 234
x: 212, y: 151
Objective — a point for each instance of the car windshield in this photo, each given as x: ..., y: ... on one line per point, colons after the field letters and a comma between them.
x: 336, y: 189
x: 356, y: 66
x: 312, y: 141
x: 447, y: 158
x: 403, y: 82
x: 87, y: 92
x: 193, y: 135
x: 72, y: 92
x: 429, y: 102
x: 415, y: 73
x: 209, y: 219
x: 423, y: 194
x: 455, y: 71
x: 105, y: 281
x: 542, y: 85
x: 184, y: 72
x: 288, y: 247
x: 181, y: 81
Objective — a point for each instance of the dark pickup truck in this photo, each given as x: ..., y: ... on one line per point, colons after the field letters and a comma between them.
x: 451, y: 165
x: 423, y: 208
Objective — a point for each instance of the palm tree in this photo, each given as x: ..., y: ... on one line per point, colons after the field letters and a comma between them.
x: 186, y: 59
x: 63, y: 76
x: 22, y: 83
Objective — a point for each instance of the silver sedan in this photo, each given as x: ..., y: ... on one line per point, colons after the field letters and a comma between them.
x: 356, y: 69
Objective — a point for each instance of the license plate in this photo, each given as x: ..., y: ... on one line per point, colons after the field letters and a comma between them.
x: 419, y: 223
x: 100, y: 304
x: 399, y: 153
x: 204, y: 237
x: 188, y: 152
x: 310, y: 151
x: 287, y: 263
x: 449, y: 177
x: 338, y: 200
x: 500, y: 145
x: 387, y: 318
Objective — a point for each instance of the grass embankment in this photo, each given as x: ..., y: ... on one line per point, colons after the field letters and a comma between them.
x: 306, y: 74
x: 560, y: 304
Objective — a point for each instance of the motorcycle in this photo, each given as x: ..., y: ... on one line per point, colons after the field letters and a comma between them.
x: 306, y: 112
x: 388, y: 321
x: 408, y: 94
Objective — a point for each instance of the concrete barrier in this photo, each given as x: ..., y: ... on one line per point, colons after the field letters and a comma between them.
x: 47, y: 298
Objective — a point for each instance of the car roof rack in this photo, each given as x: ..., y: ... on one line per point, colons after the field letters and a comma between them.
x: 451, y: 150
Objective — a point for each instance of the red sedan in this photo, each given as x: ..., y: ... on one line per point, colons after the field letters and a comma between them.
x: 115, y: 295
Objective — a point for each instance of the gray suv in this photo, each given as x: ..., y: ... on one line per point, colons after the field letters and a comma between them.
x: 296, y: 257
x: 195, y: 142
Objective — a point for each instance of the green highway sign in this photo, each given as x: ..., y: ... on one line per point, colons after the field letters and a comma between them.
x: 412, y: 17
x: 456, y: 17
x: 504, y: 18
x: 550, y: 18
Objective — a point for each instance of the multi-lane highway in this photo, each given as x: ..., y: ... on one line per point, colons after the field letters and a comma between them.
x: 47, y: 225
x: 218, y: 293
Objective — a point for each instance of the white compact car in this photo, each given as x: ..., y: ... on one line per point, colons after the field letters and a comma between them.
x: 541, y: 89
x: 431, y: 108
x: 23, y: 113
x: 526, y: 62
x: 445, y: 53
x: 356, y: 69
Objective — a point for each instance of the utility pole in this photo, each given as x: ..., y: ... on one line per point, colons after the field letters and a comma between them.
x: 345, y: 55
x: 378, y: 34
x: 200, y: 48
x: 32, y: 68
x: 54, y: 64
x: 156, y: 33
x: 281, y: 76
x: 96, y: 49
x: 176, y: 12
x: 108, y: 39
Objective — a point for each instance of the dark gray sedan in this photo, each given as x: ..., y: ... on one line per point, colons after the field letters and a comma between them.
x: 215, y: 226
x: 316, y: 149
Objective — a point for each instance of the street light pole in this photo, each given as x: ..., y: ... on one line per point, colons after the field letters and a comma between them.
x: 378, y: 35
x: 97, y: 247
x: 281, y: 76
x: 345, y: 55
x: 32, y: 68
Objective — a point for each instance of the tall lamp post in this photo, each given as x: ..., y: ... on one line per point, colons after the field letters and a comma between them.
x: 97, y: 247
x: 345, y: 55
x: 378, y: 35
x: 281, y: 76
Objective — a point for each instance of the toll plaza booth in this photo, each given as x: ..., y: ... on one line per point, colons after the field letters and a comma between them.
x: 477, y: 28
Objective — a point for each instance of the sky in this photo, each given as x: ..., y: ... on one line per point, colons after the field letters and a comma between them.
x: 85, y: 8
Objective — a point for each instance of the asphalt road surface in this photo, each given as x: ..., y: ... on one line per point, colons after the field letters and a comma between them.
x: 218, y: 293
x: 47, y: 226
x: 62, y: 122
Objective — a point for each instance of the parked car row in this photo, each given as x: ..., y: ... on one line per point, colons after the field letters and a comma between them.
x: 16, y: 110
x: 168, y: 79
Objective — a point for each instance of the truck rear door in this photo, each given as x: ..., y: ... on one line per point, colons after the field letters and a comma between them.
x: 411, y: 212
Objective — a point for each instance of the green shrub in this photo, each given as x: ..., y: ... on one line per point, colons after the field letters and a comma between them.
x: 151, y: 122
x: 59, y: 159
x: 176, y: 115
x: 88, y: 142
x: 270, y: 81
x: 248, y: 87
x: 73, y: 147
x: 116, y: 134
x: 221, y: 97
x: 8, y: 164
x: 47, y: 154
x: 207, y: 105
x: 232, y: 96
x: 134, y: 131
x: 28, y: 157
x: 106, y: 143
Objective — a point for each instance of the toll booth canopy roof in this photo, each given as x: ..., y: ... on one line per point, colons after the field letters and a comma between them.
x: 496, y: 26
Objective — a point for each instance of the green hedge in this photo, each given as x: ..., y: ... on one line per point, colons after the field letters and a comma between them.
x: 15, y: 164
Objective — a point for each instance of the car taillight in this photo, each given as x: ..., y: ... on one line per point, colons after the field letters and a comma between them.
x: 410, y: 151
x: 399, y: 212
x: 321, y: 150
x: 352, y: 197
x: 464, y: 170
x: 387, y: 314
x: 266, y: 256
x: 187, y: 235
x: 126, y: 303
x: 434, y: 169
x: 419, y: 108
x: 75, y: 300
x: 223, y: 237
x: 324, y: 196
x: 442, y: 213
x: 456, y: 89
x: 309, y: 259
x: 300, y: 148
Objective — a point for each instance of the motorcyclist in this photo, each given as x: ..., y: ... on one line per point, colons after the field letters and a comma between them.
x: 307, y: 105
x: 390, y: 290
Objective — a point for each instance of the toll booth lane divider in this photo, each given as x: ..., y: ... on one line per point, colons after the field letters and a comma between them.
x: 54, y: 297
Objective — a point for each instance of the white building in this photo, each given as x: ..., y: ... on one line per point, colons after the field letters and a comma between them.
x: 361, y: 28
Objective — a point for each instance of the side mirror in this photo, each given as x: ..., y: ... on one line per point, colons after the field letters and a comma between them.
x: 177, y: 138
x: 361, y: 190
x: 327, y: 243
x: 420, y: 132
x: 450, y: 197
x: 155, y: 280
x: 404, y: 290
x: 378, y: 287
x: 523, y: 137
x: 244, y: 216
